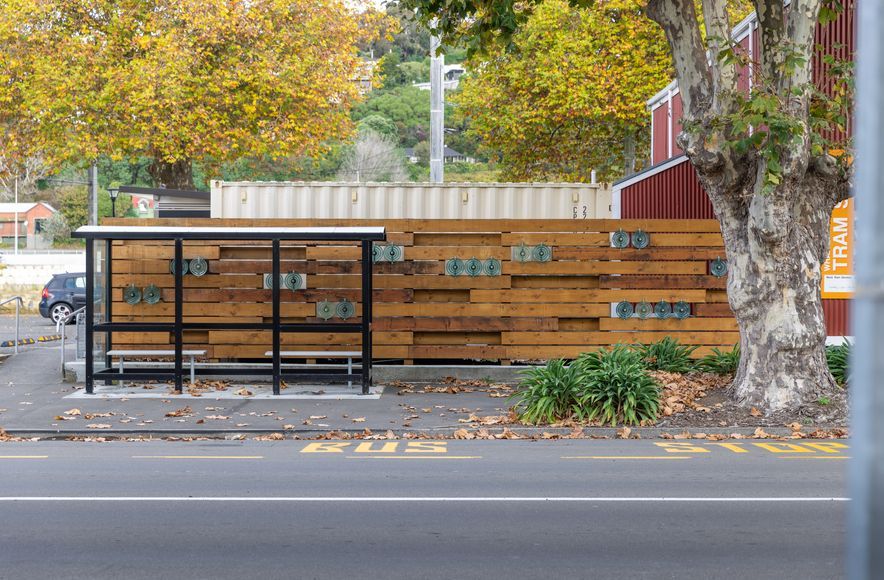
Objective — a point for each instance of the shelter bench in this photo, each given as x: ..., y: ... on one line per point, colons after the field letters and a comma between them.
x: 192, y: 354
x: 347, y: 354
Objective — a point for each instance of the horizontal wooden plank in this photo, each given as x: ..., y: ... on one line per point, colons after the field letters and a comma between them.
x: 456, y: 338
x: 475, y: 323
x: 712, y: 310
x: 584, y: 296
x: 266, y: 337
x: 521, y: 310
x: 167, y: 252
x: 557, y: 267
x: 661, y: 281
x: 556, y: 239
x: 543, y: 353
x: 669, y: 324
x: 207, y: 281
x: 648, y: 254
x: 257, y: 351
x: 215, y: 295
x: 556, y: 282
x: 624, y: 337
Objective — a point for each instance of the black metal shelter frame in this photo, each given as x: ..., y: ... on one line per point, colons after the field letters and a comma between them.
x: 92, y: 234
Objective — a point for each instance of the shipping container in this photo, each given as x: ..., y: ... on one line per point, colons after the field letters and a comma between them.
x: 410, y: 200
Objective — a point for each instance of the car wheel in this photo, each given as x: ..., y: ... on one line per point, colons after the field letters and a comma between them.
x: 59, y: 312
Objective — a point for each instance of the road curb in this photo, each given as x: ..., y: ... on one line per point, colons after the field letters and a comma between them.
x: 443, y: 432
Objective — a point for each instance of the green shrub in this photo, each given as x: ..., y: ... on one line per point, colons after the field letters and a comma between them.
x: 617, y: 387
x: 667, y: 355
x: 720, y: 363
x: 838, y: 359
x: 550, y: 393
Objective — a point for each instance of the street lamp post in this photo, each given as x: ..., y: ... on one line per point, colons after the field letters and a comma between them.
x: 113, y: 192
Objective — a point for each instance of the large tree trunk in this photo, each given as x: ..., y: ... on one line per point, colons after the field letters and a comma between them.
x: 776, y: 244
x: 172, y: 175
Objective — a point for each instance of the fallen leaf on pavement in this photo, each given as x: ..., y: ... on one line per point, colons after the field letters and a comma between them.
x: 98, y: 426
x: 72, y: 412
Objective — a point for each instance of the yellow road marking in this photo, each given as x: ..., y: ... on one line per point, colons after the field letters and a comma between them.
x: 626, y: 457
x: 413, y: 456
x: 815, y: 457
x: 24, y: 457
x: 198, y: 457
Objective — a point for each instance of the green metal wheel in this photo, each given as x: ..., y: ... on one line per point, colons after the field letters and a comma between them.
x: 345, y: 309
x: 718, y: 267
x: 662, y: 309
x: 541, y: 253
x: 644, y: 309
x: 640, y: 239
x: 184, y: 268
x: 454, y: 267
x: 132, y: 295
x: 620, y: 239
x: 152, y: 294
x: 325, y: 309
x: 293, y: 281
x: 624, y: 310
x: 522, y: 253
x: 681, y: 310
x: 492, y: 267
x: 393, y: 253
x: 199, y: 266
x: 376, y: 253
x: 474, y: 267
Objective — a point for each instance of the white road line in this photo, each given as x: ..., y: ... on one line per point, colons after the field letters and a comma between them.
x: 414, y: 499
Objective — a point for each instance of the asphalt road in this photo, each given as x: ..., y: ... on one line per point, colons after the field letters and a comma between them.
x: 417, y: 509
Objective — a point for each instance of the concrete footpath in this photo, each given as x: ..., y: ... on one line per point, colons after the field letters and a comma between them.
x: 35, y: 401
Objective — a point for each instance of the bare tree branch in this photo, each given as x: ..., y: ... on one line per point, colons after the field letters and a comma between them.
x: 718, y: 30
x: 772, y: 30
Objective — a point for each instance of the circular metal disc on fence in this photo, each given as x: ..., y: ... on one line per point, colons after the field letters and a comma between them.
x: 523, y: 254
x: 392, y: 253
x: 624, y: 310
x: 376, y: 253
x: 325, y: 310
x: 641, y: 239
x: 681, y: 310
x: 345, y: 309
x: 268, y: 281
x: 454, y: 267
x: 293, y: 281
x: 492, y: 267
x: 131, y: 294
x: 541, y: 253
x: 152, y: 294
x: 474, y: 267
x: 662, y: 309
x: 718, y: 267
x: 644, y: 309
x: 185, y: 267
x: 199, y: 266
x: 620, y: 239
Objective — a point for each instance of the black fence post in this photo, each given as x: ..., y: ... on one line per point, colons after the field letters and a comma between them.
x: 90, y: 313
x: 277, y: 358
x: 179, y: 312
x: 366, y: 315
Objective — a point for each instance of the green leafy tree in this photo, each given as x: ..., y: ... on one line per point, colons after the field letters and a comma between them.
x: 772, y: 178
x: 179, y: 80
x: 568, y: 96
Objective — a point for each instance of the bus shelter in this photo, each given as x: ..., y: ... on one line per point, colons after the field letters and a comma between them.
x: 100, y: 323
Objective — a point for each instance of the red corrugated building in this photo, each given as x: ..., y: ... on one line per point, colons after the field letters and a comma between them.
x: 669, y: 188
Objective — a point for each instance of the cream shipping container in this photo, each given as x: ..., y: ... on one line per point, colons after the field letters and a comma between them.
x: 337, y: 200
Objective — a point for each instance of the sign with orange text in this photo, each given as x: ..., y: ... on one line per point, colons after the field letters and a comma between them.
x: 838, y: 278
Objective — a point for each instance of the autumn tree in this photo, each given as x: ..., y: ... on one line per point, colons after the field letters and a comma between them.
x: 179, y: 80
x: 768, y: 161
x: 568, y: 95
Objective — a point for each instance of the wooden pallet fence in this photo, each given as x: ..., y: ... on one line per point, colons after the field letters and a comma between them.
x: 560, y: 303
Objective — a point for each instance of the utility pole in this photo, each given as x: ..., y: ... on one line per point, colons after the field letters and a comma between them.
x: 437, y: 109
x: 865, y: 529
x: 93, y: 195
x: 16, y: 215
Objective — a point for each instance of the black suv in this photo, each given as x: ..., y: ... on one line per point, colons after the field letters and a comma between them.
x: 62, y: 295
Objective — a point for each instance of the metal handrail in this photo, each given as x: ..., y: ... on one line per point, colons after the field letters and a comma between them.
x: 61, y: 327
x: 19, y: 303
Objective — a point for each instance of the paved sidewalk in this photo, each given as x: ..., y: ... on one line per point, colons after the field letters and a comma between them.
x: 33, y: 397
